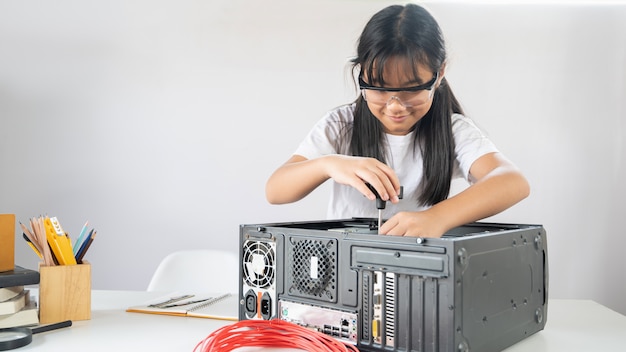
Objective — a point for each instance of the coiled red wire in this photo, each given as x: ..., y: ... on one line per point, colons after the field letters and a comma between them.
x: 270, y: 333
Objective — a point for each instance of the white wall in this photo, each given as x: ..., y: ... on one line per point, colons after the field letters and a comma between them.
x: 159, y: 121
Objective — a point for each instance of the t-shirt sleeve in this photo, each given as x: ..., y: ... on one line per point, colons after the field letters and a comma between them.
x: 471, y: 143
x: 326, y: 136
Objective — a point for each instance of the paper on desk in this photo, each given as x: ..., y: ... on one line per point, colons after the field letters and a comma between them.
x: 210, y: 306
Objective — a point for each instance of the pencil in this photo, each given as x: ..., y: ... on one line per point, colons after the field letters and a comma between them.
x: 40, y: 230
x: 79, y: 239
x: 83, y: 249
x: 31, y: 239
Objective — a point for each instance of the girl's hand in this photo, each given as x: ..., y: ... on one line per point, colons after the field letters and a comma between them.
x: 357, y: 171
x: 415, y: 224
x: 498, y: 185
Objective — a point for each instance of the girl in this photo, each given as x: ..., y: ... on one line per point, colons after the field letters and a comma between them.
x: 405, y: 129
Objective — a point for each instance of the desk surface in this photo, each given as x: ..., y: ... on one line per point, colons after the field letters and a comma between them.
x: 572, y: 325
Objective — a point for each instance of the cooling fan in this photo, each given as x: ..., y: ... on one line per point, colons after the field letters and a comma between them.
x: 259, y: 264
x: 313, y: 263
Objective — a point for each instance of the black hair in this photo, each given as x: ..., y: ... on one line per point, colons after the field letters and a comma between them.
x: 408, y: 32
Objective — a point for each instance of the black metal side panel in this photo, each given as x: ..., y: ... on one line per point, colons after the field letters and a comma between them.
x: 503, y: 287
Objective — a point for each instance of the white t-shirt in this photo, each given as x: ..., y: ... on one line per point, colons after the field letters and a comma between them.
x: 346, y: 202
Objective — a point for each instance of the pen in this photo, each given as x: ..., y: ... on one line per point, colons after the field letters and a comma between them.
x: 169, y: 301
x: 185, y: 303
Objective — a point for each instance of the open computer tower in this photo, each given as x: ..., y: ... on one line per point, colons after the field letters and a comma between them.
x: 481, y: 287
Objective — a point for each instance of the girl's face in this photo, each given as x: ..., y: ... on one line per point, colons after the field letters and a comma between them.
x: 399, y: 110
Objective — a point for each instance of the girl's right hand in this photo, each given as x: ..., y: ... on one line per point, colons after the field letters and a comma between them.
x: 357, y: 171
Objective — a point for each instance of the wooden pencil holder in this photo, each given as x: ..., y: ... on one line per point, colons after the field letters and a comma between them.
x: 64, y: 292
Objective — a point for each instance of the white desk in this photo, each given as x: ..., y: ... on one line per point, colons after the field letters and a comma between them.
x: 573, y: 325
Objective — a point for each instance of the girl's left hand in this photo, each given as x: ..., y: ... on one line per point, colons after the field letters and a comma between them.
x: 414, y: 224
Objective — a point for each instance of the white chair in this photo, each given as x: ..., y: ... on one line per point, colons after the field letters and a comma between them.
x: 197, y: 271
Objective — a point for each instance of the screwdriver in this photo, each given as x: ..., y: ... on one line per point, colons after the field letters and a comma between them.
x: 380, y: 203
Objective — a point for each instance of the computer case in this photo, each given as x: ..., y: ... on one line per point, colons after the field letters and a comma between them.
x: 480, y: 287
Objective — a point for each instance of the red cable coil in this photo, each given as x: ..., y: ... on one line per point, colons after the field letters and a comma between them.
x: 270, y: 333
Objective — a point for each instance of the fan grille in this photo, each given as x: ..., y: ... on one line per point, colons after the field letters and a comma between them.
x: 313, y: 266
x: 259, y: 263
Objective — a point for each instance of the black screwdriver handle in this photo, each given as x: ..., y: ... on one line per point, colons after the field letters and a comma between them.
x: 380, y: 204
